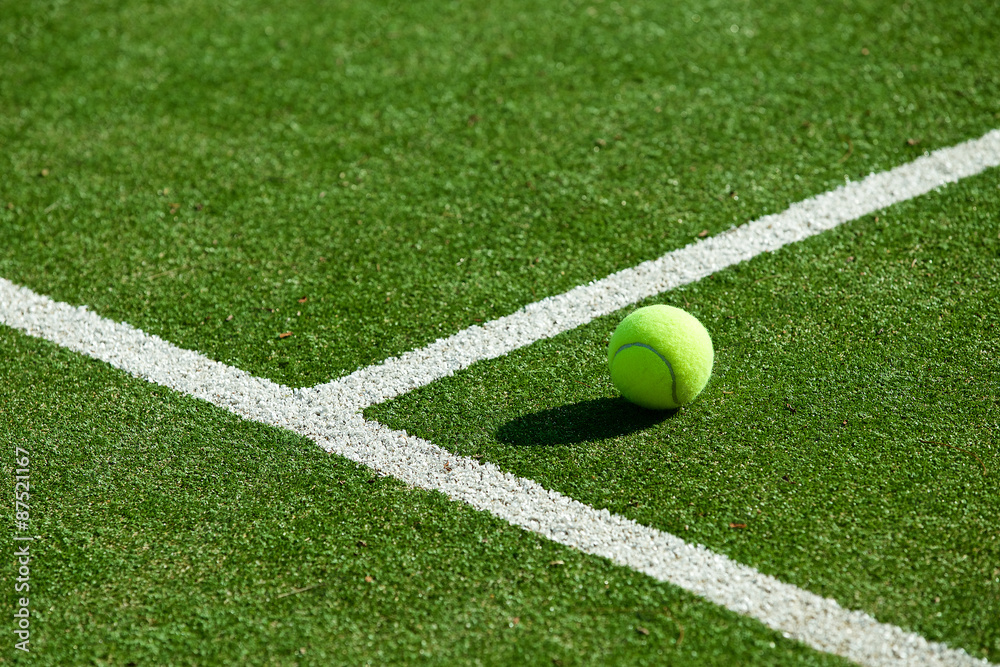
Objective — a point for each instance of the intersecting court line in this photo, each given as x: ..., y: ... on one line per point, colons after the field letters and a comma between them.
x: 329, y: 413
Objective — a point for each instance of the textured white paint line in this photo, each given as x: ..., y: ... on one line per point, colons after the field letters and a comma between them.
x: 123, y: 346
x: 556, y: 314
x: 328, y: 414
x: 821, y: 623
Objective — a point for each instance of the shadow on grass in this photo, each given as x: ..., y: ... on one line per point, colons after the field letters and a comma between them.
x: 580, y: 422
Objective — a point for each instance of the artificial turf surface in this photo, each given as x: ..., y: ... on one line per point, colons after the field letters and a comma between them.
x: 409, y: 169
x: 371, y: 176
x: 847, y: 443
x: 174, y: 533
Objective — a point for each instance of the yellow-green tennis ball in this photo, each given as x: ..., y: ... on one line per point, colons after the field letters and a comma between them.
x: 660, y: 357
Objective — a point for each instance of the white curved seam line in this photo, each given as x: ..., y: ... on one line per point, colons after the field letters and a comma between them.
x: 673, y: 378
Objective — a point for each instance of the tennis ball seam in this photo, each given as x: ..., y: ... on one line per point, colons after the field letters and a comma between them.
x: 673, y: 378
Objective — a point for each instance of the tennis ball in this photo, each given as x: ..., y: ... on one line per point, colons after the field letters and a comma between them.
x: 660, y: 357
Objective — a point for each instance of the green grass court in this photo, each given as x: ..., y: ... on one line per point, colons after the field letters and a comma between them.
x: 371, y: 177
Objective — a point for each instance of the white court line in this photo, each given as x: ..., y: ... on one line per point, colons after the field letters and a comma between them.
x: 556, y: 314
x: 337, y: 427
x: 821, y: 623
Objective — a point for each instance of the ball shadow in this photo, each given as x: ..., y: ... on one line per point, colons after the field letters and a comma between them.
x: 595, y: 419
